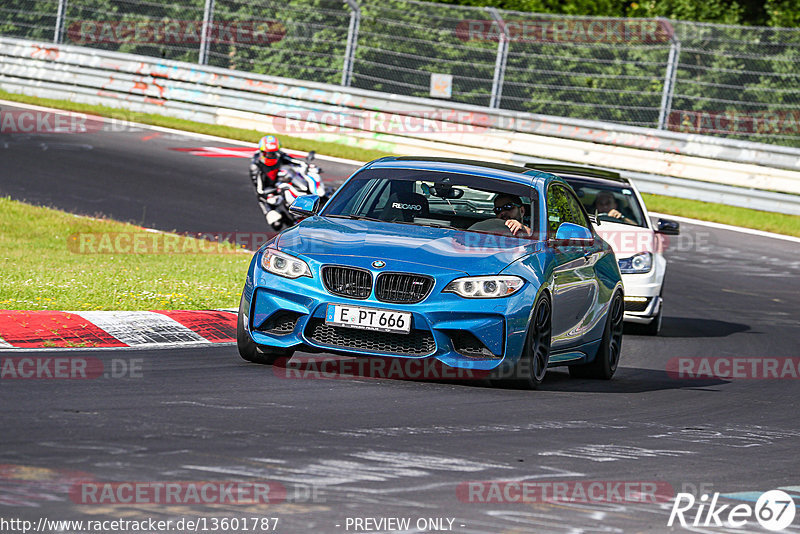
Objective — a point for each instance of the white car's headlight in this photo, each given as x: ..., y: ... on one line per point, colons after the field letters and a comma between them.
x: 284, y: 265
x: 484, y: 287
x: 639, y: 263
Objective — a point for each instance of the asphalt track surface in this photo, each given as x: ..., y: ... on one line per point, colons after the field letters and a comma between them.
x: 357, y: 447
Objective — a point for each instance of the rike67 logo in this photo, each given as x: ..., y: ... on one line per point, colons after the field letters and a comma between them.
x: 774, y: 510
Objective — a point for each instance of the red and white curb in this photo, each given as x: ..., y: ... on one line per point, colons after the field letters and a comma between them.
x: 120, y: 329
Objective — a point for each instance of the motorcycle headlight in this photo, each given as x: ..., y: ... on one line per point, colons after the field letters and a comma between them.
x: 484, y: 287
x: 639, y: 263
x: 284, y: 265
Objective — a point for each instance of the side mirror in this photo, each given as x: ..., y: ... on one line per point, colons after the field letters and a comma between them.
x: 668, y: 227
x: 455, y: 193
x: 574, y: 232
x: 305, y: 206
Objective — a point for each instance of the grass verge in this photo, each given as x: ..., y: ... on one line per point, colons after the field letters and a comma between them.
x: 57, y: 261
x: 778, y: 223
x: 707, y: 211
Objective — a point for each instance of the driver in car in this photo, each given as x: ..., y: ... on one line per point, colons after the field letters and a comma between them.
x: 510, y: 209
x: 606, y: 204
x: 507, y: 208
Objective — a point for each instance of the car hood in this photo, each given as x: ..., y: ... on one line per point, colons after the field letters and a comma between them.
x: 627, y: 240
x: 442, y: 248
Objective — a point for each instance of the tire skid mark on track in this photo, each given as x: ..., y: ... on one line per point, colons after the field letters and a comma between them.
x: 740, y: 438
x: 454, y: 429
x: 357, y: 467
x: 612, y: 453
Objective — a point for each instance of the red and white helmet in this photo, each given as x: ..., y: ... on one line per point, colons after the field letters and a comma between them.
x: 269, y: 147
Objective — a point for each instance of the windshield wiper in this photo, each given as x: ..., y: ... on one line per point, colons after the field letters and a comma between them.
x: 355, y: 218
x: 433, y: 225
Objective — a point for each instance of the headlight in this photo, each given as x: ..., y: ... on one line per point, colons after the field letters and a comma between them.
x: 284, y: 265
x: 484, y: 287
x: 640, y: 263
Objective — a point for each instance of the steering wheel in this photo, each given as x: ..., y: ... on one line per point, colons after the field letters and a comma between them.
x: 495, y: 226
x: 607, y: 217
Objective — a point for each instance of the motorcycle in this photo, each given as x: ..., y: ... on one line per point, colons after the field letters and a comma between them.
x: 299, y: 178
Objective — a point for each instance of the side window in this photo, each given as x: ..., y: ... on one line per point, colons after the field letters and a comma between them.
x: 577, y: 213
x: 559, y: 209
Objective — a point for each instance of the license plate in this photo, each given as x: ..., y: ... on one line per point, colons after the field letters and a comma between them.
x: 368, y: 318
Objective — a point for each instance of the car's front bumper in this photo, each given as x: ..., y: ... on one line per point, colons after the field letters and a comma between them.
x: 643, y: 294
x: 644, y: 312
x: 290, y: 314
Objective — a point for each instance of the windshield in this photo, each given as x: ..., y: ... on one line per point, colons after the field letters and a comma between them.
x: 609, y: 202
x: 425, y: 198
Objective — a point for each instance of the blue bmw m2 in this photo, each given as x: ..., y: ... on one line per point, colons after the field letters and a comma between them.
x: 480, y: 266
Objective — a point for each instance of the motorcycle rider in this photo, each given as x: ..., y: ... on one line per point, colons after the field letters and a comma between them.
x: 264, y: 168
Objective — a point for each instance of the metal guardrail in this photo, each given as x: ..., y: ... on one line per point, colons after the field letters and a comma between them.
x: 221, y: 96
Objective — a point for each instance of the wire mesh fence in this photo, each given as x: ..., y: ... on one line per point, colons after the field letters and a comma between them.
x: 733, y: 81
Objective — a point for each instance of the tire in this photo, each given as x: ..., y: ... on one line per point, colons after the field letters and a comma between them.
x: 607, y: 358
x: 530, y: 369
x: 248, y: 349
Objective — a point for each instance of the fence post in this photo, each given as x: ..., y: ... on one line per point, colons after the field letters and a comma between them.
x: 669, y: 80
x: 352, y: 42
x: 60, y: 16
x: 208, y: 20
x: 500, y: 60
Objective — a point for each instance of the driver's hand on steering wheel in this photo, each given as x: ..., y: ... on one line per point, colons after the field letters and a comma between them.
x: 616, y: 214
x: 514, y: 226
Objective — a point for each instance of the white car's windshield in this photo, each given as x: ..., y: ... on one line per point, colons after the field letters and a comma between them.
x: 425, y: 198
x: 609, y: 202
